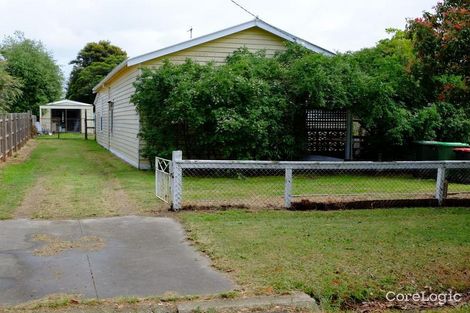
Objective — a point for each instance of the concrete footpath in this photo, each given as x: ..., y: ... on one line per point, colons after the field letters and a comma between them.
x: 101, y: 258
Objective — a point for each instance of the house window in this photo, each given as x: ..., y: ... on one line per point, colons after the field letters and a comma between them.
x: 101, y: 122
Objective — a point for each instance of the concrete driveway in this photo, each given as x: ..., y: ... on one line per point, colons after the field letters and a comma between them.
x: 101, y: 258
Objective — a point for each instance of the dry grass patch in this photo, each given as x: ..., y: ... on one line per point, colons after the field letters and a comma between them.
x: 21, y: 155
x: 53, y: 245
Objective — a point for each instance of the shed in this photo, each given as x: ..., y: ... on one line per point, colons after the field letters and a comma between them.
x: 66, y: 116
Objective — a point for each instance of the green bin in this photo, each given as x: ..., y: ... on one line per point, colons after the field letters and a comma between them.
x: 437, y: 150
x: 462, y: 176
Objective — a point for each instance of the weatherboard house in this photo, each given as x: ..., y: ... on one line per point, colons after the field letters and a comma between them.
x: 117, y: 121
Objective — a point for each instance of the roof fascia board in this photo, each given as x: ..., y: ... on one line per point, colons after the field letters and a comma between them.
x: 72, y: 107
x: 67, y: 102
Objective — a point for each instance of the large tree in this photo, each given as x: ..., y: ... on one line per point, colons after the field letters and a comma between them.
x: 92, y: 63
x: 34, y: 67
x: 441, y: 40
x: 10, y: 88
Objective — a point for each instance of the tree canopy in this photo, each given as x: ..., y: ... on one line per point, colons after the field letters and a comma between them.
x: 441, y: 41
x: 90, y: 66
x: 10, y: 88
x: 35, y: 73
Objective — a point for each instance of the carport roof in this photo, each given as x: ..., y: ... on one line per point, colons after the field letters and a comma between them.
x: 66, y: 104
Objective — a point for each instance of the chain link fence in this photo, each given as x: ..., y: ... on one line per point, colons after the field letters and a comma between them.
x: 306, y: 185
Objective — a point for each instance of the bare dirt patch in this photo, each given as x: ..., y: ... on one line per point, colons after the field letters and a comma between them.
x: 54, y: 245
x: 117, y: 199
x: 46, y: 201
x: 22, y: 154
x: 34, y: 197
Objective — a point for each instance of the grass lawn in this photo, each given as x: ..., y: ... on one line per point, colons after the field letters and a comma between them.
x: 74, y: 178
x: 338, y: 257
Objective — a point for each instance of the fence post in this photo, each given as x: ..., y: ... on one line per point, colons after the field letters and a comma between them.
x: 156, y: 176
x: 22, y: 126
x: 441, y: 190
x: 177, y: 182
x: 3, y: 145
x: 4, y: 140
x: 14, y: 131
x: 30, y: 125
x: 20, y: 131
x: 288, y: 188
x: 10, y: 134
x: 86, y: 126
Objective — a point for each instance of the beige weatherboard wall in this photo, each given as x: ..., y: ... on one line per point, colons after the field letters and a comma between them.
x: 117, y: 121
x: 66, y: 116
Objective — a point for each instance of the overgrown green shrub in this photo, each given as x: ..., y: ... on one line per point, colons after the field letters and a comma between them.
x: 253, y: 107
x: 250, y: 108
x: 237, y: 110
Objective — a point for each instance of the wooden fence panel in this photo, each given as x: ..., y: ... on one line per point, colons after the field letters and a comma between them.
x: 15, y: 130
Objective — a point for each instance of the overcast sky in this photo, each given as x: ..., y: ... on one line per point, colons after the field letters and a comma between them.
x: 140, y: 26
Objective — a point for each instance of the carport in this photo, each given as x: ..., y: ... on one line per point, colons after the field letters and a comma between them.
x: 65, y: 116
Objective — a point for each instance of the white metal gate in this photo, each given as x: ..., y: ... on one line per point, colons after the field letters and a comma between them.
x: 163, y: 179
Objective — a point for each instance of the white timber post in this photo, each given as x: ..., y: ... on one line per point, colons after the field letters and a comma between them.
x: 441, y: 187
x: 156, y: 176
x: 177, y: 180
x: 288, y: 188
